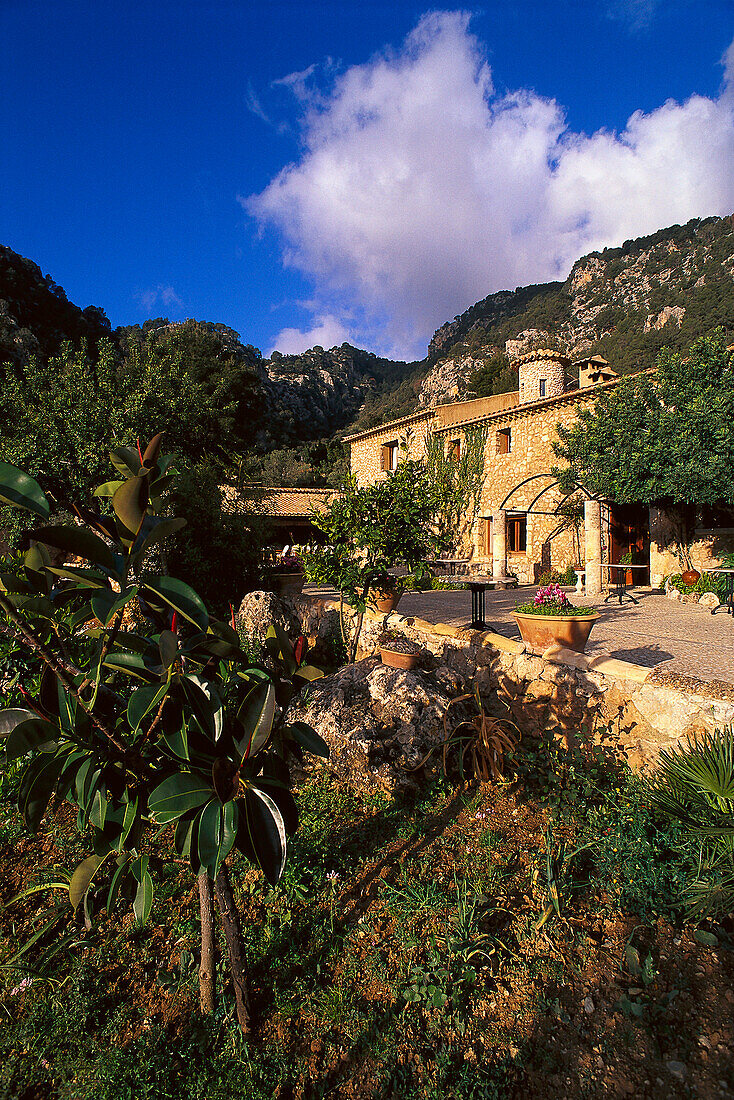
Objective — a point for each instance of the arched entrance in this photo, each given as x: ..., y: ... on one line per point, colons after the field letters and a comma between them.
x: 525, y: 500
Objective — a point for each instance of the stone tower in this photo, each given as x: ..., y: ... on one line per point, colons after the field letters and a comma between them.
x: 541, y: 374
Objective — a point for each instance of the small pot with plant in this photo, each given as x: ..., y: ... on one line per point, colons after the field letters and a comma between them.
x: 551, y: 619
x: 385, y: 593
x: 285, y: 575
x: 399, y: 651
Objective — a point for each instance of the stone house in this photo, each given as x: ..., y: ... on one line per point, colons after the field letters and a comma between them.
x: 524, y: 525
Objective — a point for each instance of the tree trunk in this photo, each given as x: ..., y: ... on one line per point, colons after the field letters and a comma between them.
x: 207, y: 970
x: 235, y: 949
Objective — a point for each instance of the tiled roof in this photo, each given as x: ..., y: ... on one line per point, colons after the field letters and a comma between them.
x: 283, y: 500
x: 425, y: 415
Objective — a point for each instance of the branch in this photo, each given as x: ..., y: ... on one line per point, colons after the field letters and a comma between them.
x: 59, y: 670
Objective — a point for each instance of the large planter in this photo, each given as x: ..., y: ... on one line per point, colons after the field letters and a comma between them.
x: 406, y: 661
x: 542, y: 631
x: 286, y: 584
x: 384, y: 600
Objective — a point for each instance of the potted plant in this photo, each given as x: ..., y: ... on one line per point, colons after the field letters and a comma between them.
x: 399, y: 651
x: 385, y: 593
x: 285, y: 576
x: 552, y: 618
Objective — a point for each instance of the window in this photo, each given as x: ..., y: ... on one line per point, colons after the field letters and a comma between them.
x: 517, y: 533
x: 541, y: 387
x: 504, y: 441
x: 455, y: 450
x: 389, y: 455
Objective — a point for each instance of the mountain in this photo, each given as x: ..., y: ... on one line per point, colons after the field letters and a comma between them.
x: 36, y: 317
x: 623, y: 303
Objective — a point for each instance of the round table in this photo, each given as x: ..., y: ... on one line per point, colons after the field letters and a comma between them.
x: 620, y: 580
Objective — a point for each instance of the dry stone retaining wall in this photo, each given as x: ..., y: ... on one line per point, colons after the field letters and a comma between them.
x: 562, y: 690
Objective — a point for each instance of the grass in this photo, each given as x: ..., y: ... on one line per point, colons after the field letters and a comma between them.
x: 398, y: 957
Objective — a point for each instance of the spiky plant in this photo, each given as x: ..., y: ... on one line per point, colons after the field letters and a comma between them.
x: 695, y: 786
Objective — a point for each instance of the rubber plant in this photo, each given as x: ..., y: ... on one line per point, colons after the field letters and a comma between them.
x: 148, y: 722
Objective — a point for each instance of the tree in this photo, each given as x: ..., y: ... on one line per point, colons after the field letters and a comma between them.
x: 665, y: 436
x: 146, y: 722
x: 370, y: 530
x: 456, y: 483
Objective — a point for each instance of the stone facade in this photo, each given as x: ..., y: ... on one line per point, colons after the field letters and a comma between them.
x: 516, y: 530
x: 519, y: 446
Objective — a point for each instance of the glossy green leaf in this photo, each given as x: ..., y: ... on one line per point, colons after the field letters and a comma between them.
x: 84, y: 578
x: 256, y: 716
x: 131, y: 812
x: 130, y: 502
x: 266, y: 833
x: 116, y: 884
x: 143, y: 899
x: 20, y: 491
x: 132, y: 664
x: 81, y: 542
x: 168, y: 648
x: 168, y: 592
x: 106, y: 604
x: 178, y: 794
x: 142, y: 701
x: 108, y: 489
x: 310, y: 673
x: 308, y: 739
x: 206, y: 705
x: 35, y: 734
x: 81, y: 880
x: 217, y: 833
x: 12, y: 717
x: 126, y: 461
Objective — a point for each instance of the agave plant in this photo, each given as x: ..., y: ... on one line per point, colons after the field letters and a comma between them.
x: 154, y: 720
x: 695, y: 785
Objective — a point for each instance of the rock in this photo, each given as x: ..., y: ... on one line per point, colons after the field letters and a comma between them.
x: 673, y: 594
x: 589, y: 1006
x: 378, y: 721
x: 710, y: 600
x: 677, y: 1069
x: 259, y: 609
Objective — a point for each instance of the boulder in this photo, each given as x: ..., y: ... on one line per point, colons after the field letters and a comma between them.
x: 378, y: 721
x: 259, y: 609
x: 710, y: 600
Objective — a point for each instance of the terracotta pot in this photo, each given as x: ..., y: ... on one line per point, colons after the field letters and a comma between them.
x: 384, y: 600
x: 691, y: 576
x: 406, y: 661
x: 542, y: 631
x: 286, y: 584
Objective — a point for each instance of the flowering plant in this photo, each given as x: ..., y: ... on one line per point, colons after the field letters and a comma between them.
x: 552, y: 600
x: 289, y: 563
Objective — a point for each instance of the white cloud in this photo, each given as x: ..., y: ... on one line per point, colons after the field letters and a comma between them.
x: 327, y: 331
x: 420, y: 189
x: 159, y: 295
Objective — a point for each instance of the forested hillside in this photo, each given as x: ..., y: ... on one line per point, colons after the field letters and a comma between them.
x: 282, y: 418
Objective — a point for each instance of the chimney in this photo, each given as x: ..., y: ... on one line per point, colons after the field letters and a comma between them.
x: 594, y: 371
x: 541, y: 374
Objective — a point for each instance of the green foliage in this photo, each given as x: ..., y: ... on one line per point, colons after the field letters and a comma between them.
x: 220, y: 557
x: 372, y: 529
x: 694, y: 785
x: 662, y: 436
x: 163, y: 722
x: 456, y: 484
x: 59, y: 418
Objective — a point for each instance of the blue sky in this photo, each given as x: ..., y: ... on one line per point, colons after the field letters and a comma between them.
x: 311, y: 172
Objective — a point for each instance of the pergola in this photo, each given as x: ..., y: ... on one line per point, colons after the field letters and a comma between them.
x: 592, y: 526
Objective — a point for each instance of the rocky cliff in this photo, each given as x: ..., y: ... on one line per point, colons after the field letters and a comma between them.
x: 623, y: 303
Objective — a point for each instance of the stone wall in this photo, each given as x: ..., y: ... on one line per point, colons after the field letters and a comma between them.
x: 577, y: 696
x: 366, y: 448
